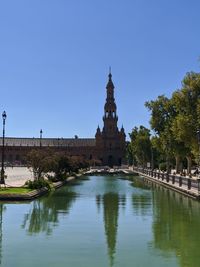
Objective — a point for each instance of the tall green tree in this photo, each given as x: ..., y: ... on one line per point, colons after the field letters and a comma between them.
x: 129, y: 154
x: 162, y: 115
x: 140, y: 145
x: 38, y: 161
x: 175, y: 121
x: 187, y: 104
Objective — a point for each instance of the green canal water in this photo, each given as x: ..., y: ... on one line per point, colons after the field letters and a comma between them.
x: 102, y: 221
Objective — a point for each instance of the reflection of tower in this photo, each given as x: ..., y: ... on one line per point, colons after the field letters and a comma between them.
x: 110, y: 141
x: 98, y: 201
x: 111, y: 213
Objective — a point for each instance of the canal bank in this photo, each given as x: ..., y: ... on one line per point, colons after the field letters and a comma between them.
x: 186, y: 186
x: 37, y: 192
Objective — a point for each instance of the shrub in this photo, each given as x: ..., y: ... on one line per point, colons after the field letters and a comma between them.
x: 57, y: 178
x: 163, y: 166
x: 52, y: 178
x: 38, y: 184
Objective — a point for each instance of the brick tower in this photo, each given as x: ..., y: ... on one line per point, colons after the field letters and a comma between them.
x: 110, y: 142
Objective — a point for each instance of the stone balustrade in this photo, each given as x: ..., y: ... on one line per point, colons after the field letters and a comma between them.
x: 187, y: 185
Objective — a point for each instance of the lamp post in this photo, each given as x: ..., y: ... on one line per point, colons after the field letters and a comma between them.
x: 2, y: 181
x: 41, y: 132
x: 58, y: 142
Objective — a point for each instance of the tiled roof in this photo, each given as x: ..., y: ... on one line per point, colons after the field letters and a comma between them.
x: 51, y: 142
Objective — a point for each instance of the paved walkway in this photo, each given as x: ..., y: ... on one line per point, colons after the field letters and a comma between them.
x: 17, y: 176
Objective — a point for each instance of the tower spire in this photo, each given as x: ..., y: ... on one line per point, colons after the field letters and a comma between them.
x: 110, y: 108
x: 110, y: 74
x: 110, y: 142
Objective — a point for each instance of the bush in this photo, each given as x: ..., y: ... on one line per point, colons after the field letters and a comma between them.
x: 57, y: 178
x: 52, y: 178
x: 163, y: 166
x: 62, y: 177
x: 73, y: 173
x: 38, y: 184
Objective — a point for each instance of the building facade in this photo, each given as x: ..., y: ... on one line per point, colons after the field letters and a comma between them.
x: 108, y: 146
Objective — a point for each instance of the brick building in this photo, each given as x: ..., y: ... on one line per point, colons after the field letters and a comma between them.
x: 108, y: 146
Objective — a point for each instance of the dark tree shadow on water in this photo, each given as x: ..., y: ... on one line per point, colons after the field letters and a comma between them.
x: 45, y: 213
x: 176, y: 224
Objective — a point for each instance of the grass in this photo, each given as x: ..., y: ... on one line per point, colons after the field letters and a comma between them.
x: 14, y: 190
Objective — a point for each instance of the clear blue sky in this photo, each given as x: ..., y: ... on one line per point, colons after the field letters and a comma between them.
x: 55, y: 56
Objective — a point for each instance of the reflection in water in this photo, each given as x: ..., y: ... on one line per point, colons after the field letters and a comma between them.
x: 141, y: 204
x: 141, y: 200
x: 158, y: 227
x: 111, y: 213
x: 123, y: 201
x: 44, y: 213
x: 1, y: 230
x: 176, y: 226
x: 110, y: 202
x: 98, y: 202
x: 139, y: 182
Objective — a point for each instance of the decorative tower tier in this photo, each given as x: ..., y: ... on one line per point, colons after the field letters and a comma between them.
x: 110, y: 141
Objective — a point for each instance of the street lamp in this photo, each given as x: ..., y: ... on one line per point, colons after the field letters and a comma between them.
x: 2, y: 181
x: 41, y: 132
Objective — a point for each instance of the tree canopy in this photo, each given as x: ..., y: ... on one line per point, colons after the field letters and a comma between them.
x: 175, y: 122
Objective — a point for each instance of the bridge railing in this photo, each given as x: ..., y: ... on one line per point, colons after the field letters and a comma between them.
x: 171, y: 179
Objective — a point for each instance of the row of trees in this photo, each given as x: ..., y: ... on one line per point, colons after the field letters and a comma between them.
x: 54, y: 165
x: 175, y: 122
